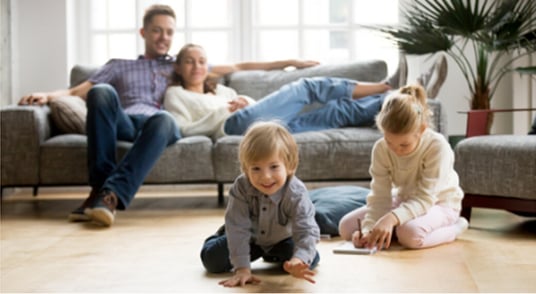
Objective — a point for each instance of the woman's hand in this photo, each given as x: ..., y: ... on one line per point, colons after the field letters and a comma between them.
x: 305, y: 63
x: 238, y: 103
x: 380, y: 235
x: 299, y: 269
x: 241, y: 277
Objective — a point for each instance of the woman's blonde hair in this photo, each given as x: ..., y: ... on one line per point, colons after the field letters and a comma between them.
x: 266, y: 139
x: 404, y: 111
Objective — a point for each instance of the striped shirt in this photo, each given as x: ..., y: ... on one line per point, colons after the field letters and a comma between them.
x: 140, y: 83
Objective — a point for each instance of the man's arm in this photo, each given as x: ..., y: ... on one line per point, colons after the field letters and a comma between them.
x: 42, y: 98
x: 221, y: 70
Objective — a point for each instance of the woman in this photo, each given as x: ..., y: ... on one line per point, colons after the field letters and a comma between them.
x: 202, y: 107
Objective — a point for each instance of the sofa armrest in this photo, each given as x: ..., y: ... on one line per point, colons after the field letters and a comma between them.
x: 23, y: 129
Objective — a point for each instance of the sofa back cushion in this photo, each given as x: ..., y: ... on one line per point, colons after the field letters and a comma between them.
x: 259, y: 83
x: 80, y: 73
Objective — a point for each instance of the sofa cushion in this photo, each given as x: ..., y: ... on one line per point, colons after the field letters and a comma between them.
x: 332, y: 203
x: 63, y: 160
x: 259, y: 83
x: 497, y: 165
x: 69, y: 114
x: 334, y: 154
x: 81, y: 73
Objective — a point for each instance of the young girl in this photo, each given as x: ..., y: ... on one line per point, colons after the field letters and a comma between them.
x: 204, y: 108
x: 269, y: 213
x: 414, y: 186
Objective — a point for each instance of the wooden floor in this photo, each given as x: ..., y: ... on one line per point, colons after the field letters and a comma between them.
x: 154, y: 247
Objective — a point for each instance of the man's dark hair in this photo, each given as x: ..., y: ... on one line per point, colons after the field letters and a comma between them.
x: 154, y: 10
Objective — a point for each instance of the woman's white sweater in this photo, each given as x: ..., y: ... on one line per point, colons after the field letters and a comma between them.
x: 200, y: 114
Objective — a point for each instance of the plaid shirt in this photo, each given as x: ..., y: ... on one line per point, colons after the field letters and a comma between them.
x: 140, y: 83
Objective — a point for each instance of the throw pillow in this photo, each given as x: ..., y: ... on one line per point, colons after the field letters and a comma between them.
x: 69, y: 114
x: 332, y: 203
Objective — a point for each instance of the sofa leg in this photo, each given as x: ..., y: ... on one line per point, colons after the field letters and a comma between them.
x: 35, y: 190
x: 220, y: 194
x: 466, y: 212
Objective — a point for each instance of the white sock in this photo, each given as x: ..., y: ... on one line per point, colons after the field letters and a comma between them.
x: 461, y: 226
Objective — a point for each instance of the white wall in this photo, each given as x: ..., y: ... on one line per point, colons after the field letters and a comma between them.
x: 39, y: 56
x: 41, y: 61
x: 5, y: 52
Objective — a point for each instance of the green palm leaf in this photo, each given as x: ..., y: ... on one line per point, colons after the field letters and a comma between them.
x: 497, y: 32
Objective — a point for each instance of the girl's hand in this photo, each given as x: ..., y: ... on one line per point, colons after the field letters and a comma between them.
x: 241, y: 277
x: 380, y: 235
x: 358, y: 240
x: 238, y: 103
x: 299, y: 269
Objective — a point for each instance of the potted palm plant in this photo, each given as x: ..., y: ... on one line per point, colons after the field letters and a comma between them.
x: 498, y: 32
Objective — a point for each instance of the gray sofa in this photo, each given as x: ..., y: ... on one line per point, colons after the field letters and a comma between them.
x: 34, y: 153
x: 499, y: 172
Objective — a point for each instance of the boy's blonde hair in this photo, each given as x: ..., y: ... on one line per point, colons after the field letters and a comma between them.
x: 404, y: 111
x: 266, y: 139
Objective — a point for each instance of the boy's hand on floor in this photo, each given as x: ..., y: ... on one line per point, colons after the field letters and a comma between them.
x: 241, y: 277
x: 299, y: 269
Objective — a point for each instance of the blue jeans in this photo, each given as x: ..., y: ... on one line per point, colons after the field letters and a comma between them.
x: 215, y: 254
x: 286, y: 105
x: 106, y: 124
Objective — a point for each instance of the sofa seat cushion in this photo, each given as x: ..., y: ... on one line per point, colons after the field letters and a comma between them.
x: 497, y: 165
x: 332, y: 154
x: 332, y: 203
x: 63, y: 161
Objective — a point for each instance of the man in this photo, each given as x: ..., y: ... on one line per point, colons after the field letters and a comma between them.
x: 124, y: 99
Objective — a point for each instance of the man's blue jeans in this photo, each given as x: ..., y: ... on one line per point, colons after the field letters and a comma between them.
x: 106, y: 124
x: 286, y: 105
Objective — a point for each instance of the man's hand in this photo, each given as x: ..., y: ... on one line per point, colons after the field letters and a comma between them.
x: 299, y: 269
x: 241, y: 277
x: 38, y: 98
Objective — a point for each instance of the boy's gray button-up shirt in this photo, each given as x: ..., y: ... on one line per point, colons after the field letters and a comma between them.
x: 266, y: 220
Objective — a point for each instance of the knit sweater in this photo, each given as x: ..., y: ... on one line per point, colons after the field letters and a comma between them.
x: 200, y: 114
x: 419, y: 180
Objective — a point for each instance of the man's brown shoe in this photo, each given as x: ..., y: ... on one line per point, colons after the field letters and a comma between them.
x: 103, y: 212
x: 81, y: 214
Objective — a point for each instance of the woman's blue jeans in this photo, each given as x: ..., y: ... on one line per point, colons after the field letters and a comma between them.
x: 215, y: 254
x: 286, y: 105
x: 106, y: 124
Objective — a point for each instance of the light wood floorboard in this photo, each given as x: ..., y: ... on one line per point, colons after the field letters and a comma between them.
x: 154, y: 247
